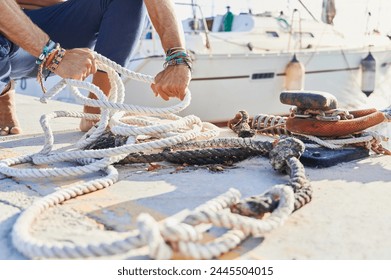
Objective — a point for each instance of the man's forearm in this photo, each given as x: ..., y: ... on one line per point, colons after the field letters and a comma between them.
x: 162, y: 14
x: 18, y: 28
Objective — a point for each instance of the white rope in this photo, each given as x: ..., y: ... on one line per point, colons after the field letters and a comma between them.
x: 132, y: 121
x: 366, y: 137
x: 149, y: 232
x: 241, y: 226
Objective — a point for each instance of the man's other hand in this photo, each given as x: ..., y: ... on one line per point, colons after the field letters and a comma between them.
x: 172, y: 82
x: 77, y: 64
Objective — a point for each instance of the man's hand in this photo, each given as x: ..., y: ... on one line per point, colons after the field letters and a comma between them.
x: 77, y: 64
x: 172, y: 82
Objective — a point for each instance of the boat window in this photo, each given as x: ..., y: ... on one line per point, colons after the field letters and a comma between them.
x: 258, y: 76
x: 209, y: 23
x: 272, y: 34
x: 196, y: 24
x: 303, y: 34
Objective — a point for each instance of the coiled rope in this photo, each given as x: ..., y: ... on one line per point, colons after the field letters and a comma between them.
x: 173, y: 132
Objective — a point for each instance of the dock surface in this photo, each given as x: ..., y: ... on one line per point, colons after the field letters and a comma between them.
x: 349, y: 216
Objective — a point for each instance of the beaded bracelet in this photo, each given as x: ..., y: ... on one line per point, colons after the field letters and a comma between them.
x: 179, y: 61
x: 177, y: 56
x: 179, y: 53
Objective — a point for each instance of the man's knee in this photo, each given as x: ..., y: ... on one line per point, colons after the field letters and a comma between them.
x: 120, y: 29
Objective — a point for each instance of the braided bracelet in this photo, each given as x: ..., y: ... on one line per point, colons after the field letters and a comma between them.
x: 177, y: 56
x: 53, y: 64
x: 179, y: 61
x: 171, y: 51
x: 50, y: 62
x: 47, y: 49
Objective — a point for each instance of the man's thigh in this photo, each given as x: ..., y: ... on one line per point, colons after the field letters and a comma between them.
x: 112, y: 26
x: 74, y: 23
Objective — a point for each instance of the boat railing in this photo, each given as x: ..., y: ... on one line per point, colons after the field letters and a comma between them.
x: 205, y: 29
x: 292, y: 31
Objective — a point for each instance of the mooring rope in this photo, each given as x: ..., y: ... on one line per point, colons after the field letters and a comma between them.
x: 276, y: 126
x: 174, y: 133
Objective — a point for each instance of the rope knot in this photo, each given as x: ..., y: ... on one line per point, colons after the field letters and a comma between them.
x: 149, y: 230
x: 256, y: 206
x: 285, y: 149
x: 240, y: 125
x: 174, y: 231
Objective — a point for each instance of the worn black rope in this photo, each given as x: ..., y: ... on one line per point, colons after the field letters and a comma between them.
x: 195, y: 157
x: 215, y: 151
x: 230, y: 142
x: 299, y: 182
x: 283, y: 157
x: 107, y: 140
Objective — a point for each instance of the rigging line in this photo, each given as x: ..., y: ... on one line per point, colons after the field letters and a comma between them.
x: 317, y: 46
x: 355, y: 80
x: 378, y: 15
x: 308, y: 11
x: 145, y: 57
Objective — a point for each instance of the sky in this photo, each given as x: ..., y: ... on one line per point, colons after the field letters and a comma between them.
x: 352, y: 15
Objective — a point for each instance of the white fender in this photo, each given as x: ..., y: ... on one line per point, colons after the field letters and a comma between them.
x: 294, y: 75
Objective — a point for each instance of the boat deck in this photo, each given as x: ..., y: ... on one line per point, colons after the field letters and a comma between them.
x: 349, y: 216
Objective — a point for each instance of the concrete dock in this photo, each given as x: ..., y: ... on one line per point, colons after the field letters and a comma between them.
x: 349, y: 216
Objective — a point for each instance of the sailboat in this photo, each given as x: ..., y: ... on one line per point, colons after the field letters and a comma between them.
x: 264, y: 54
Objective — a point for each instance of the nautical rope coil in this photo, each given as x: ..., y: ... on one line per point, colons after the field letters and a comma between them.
x: 174, y: 133
x: 311, y: 129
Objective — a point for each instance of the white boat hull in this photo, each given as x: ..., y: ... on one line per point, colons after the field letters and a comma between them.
x: 224, y: 84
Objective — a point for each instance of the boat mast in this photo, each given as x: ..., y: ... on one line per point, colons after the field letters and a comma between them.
x: 193, y: 6
x: 195, y: 19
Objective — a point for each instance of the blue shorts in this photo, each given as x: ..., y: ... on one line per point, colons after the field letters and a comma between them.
x: 111, y: 27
